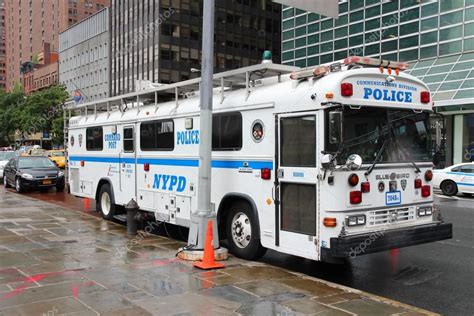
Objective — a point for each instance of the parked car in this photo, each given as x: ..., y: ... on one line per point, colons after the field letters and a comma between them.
x: 5, y: 157
x: 454, y: 179
x: 58, y: 157
x: 30, y: 173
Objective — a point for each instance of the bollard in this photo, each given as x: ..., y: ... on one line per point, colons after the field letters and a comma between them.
x: 132, y: 210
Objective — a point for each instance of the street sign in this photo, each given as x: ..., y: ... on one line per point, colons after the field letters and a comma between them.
x: 325, y: 7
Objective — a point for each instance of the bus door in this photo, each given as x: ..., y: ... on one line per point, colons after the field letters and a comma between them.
x: 296, y: 182
x: 127, y: 163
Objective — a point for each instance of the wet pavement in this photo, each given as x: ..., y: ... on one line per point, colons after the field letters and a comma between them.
x: 58, y: 261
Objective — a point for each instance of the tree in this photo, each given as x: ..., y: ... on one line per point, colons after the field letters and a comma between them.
x: 36, y: 113
x: 42, y: 110
x: 10, y: 105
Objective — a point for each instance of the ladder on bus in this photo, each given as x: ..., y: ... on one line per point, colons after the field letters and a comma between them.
x: 242, y: 78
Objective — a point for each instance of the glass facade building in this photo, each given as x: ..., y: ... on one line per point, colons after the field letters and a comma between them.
x: 435, y: 37
x: 160, y: 41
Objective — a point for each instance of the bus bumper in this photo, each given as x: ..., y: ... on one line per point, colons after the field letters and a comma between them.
x: 352, y: 246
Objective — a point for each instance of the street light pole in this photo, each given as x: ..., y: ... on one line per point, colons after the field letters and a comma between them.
x: 205, y: 211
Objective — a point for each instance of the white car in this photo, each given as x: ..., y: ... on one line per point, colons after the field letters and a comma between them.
x: 454, y: 179
x: 5, y: 157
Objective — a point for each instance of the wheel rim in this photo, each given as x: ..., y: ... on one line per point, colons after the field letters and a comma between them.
x: 5, y: 181
x: 105, y: 203
x: 241, y: 230
x: 449, y: 188
x: 17, y: 184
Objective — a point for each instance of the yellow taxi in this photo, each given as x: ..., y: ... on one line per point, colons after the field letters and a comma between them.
x: 58, y: 157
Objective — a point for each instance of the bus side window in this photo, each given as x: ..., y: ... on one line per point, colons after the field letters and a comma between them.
x: 94, y: 139
x: 227, y: 131
x: 128, y: 140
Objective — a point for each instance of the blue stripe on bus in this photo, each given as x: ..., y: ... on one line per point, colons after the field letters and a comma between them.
x: 223, y: 164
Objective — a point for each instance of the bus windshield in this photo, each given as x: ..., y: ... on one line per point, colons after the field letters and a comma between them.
x: 405, y: 133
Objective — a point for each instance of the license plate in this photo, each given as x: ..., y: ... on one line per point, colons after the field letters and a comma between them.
x: 47, y: 182
x: 393, y: 198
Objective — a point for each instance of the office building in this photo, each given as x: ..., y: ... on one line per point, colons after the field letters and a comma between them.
x: 159, y: 41
x: 435, y: 37
x: 84, y: 58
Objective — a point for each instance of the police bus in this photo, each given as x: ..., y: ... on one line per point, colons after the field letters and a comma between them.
x: 322, y: 163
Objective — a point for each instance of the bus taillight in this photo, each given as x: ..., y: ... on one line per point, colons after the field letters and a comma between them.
x: 146, y: 166
x: 428, y: 175
x: 346, y: 89
x: 425, y: 97
x: 355, y: 197
x: 418, y: 183
x: 426, y: 191
x: 266, y: 174
x: 365, y: 187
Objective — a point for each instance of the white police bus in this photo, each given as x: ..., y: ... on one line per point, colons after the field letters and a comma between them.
x: 321, y: 163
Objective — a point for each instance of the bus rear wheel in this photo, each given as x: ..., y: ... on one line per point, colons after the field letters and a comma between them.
x: 105, y: 203
x: 242, y: 232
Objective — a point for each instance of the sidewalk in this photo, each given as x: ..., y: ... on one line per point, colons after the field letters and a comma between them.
x: 56, y: 261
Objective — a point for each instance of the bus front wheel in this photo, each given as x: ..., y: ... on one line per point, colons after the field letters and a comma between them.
x: 106, y: 203
x: 242, y: 232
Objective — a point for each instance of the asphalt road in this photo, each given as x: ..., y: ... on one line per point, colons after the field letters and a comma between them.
x: 438, y: 277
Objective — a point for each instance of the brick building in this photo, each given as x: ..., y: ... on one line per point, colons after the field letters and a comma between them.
x: 32, y: 24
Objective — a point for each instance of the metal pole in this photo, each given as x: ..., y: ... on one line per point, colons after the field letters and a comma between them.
x: 204, y: 212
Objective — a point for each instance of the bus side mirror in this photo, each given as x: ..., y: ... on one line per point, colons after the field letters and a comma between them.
x: 335, y: 127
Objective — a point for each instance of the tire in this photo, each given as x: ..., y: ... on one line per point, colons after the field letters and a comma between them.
x: 18, y: 186
x: 243, y: 233
x: 60, y: 188
x: 106, y: 203
x: 449, y: 188
x: 5, y: 182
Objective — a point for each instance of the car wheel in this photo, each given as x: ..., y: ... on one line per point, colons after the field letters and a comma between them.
x: 449, y: 188
x: 242, y: 232
x: 106, y: 203
x: 18, y: 186
x: 60, y: 188
x: 5, y: 182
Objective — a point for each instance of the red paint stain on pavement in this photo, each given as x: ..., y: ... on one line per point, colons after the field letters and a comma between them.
x: 394, y: 256
x: 75, y: 291
x: 75, y: 288
x: 30, y: 280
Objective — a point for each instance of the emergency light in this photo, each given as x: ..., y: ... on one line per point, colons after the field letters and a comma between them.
x: 374, y: 62
x: 306, y: 73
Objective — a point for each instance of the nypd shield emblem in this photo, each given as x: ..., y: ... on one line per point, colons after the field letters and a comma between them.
x: 403, y: 183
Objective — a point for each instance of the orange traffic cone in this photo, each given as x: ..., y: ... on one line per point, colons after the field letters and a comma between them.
x: 208, y: 261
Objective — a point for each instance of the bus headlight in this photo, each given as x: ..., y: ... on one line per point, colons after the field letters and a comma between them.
x: 425, y: 211
x: 355, y: 220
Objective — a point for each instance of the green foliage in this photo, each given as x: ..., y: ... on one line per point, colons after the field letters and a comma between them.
x: 41, y: 111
